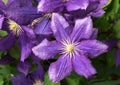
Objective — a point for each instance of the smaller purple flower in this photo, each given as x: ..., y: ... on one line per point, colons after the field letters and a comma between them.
x: 74, y: 48
x: 23, y: 34
x: 34, y: 78
x: 59, y: 5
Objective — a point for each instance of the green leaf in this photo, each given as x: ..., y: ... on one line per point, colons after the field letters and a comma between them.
x: 15, y: 52
x: 114, y: 82
x: 3, y: 33
x: 75, y: 79
x: 117, y: 29
x: 48, y: 82
x: 1, y: 80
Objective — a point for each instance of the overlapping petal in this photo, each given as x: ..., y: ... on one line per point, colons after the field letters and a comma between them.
x: 77, y: 4
x: 24, y: 67
x: 49, y: 5
x: 82, y: 66
x: 46, y: 49
x: 44, y: 27
x: 25, y: 46
x: 60, y: 69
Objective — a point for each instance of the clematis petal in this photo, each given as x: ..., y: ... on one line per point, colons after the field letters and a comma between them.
x: 98, y: 13
x: 77, y: 4
x: 7, y: 42
x: 22, y: 12
x: 25, y: 45
x: 117, y: 57
x: 82, y: 29
x: 2, y: 5
x: 49, y: 5
x: 60, y: 69
x: 38, y: 74
x: 93, y: 47
x: 29, y: 32
x: 23, y: 16
x: 94, y: 34
x: 7, y: 59
x: 1, y: 21
x: 18, y: 3
x: 58, y: 27
x: 103, y: 2
x: 46, y: 49
x: 20, y: 80
x: 82, y: 66
x: 43, y: 28
x: 24, y: 67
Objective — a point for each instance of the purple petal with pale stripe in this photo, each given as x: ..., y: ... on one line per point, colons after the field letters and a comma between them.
x: 82, y: 66
x: 46, y: 49
x: 60, y: 69
x: 58, y: 27
x: 43, y: 28
x: 82, y: 29
x: 93, y: 47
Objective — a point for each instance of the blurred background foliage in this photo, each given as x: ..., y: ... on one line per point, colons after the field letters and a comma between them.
x: 107, y: 72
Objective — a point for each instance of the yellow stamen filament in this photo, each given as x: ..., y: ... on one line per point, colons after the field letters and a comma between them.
x: 37, y: 82
x: 14, y: 27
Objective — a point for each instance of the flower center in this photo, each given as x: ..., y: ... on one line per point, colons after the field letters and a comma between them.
x: 37, y: 82
x: 14, y: 27
x: 69, y: 48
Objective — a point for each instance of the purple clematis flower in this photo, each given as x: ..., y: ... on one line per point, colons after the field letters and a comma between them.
x: 74, y: 49
x: 59, y: 5
x: 23, y: 34
x: 80, y: 8
x: 35, y: 78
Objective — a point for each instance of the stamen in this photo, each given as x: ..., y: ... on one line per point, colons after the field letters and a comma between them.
x: 14, y: 27
x: 38, y: 20
x: 68, y: 48
x: 37, y: 82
